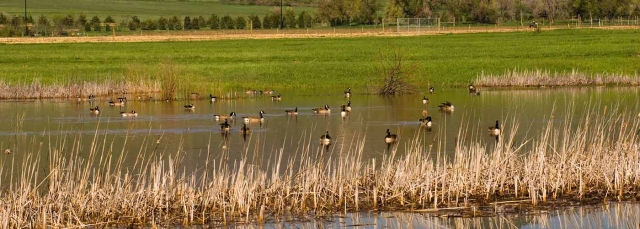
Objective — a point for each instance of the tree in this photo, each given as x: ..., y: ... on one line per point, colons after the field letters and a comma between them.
x: 226, y: 22
x: 241, y: 23
x: 4, y: 19
x: 272, y: 19
x: 95, y: 23
x: 148, y: 24
x: 162, y: 23
x: 108, y: 19
x: 82, y: 20
x: 201, y: 22
x: 195, y: 23
x: 255, y: 22
x: 301, y: 20
x: 289, y: 17
x: 174, y: 23
x: 214, y: 21
x: 68, y: 21
x: 187, y: 23
x: 134, y: 24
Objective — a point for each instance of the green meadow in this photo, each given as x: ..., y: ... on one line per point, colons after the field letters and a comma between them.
x: 125, y: 9
x: 441, y: 60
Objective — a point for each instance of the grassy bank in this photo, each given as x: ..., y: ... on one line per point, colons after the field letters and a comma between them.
x: 326, y: 63
x: 90, y: 186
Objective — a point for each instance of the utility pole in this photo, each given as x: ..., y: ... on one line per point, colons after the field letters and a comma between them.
x: 281, y: 16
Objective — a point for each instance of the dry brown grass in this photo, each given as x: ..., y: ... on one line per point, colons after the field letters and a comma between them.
x: 35, y: 90
x: 546, y: 78
x: 594, y: 159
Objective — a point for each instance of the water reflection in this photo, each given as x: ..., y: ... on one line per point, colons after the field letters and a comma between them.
x: 296, y: 120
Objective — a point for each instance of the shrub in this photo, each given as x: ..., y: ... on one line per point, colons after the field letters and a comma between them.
x: 396, y: 74
x: 108, y: 19
x: 289, y: 18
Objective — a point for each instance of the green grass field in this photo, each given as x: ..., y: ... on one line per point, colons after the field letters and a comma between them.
x: 442, y: 60
x: 124, y: 9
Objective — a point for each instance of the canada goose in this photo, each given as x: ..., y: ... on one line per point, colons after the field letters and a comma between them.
x: 426, y: 122
x: 322, y: 110
x: 425, y: 100
x: 245, y: 130
x: 276, y: 98
x: 446, y: 107
x: 251, y: 92
x: 213, y: 98
x: 343, y: 113
x: 347, y: 93
x: 472, y: 89
x: 119, y: 103
x: 269, y: 92
x: 231, y: 116
x: 292, y: 112
x: 325, y: 139
x: 432, y: 90
x: 189, y: 107
x: 495, y: 130
x: 225, y: 127
x: 129, y: 114
x: 390, y: 138
x: 95, y: 110
x: 89, y: 98
x: 253, y: 119
x: 348, y: 108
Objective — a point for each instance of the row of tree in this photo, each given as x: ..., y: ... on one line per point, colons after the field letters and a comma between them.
x: 14, y: 25
x: 340, y: 12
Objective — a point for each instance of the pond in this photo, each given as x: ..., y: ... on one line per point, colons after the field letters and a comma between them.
x: 27, y: 126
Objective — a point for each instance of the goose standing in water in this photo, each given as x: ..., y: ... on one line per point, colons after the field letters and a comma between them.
x: 325, y: 139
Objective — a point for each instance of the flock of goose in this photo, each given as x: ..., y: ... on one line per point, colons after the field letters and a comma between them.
x: 225, y: 127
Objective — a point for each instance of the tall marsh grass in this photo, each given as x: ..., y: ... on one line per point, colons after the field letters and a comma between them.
x: 591, y: 160
x: 527, y: 78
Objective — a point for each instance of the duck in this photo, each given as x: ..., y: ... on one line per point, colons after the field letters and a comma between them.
x: 129, y: 114
x: 425, y: 100
x: 253, y: 119
x: 119, y: 103
x: 95, y: 110
x: 245, y: 130
x: 225, y: 127
x: 213, y: 98
x: 432, y: 90
x: 446, y: 107
x: 390, y: 138
x: 426, y: 122
x: 231, y: 116
x: 348, y: 108
x: 292, y: 112
x: 495, y: 129
x: 189, y: 107
x: 472, y: 89
x: 325, y: 139
x: 276, y: 98
x: 322, y: 110
x: 347, y: 93
x: 343, y: 113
